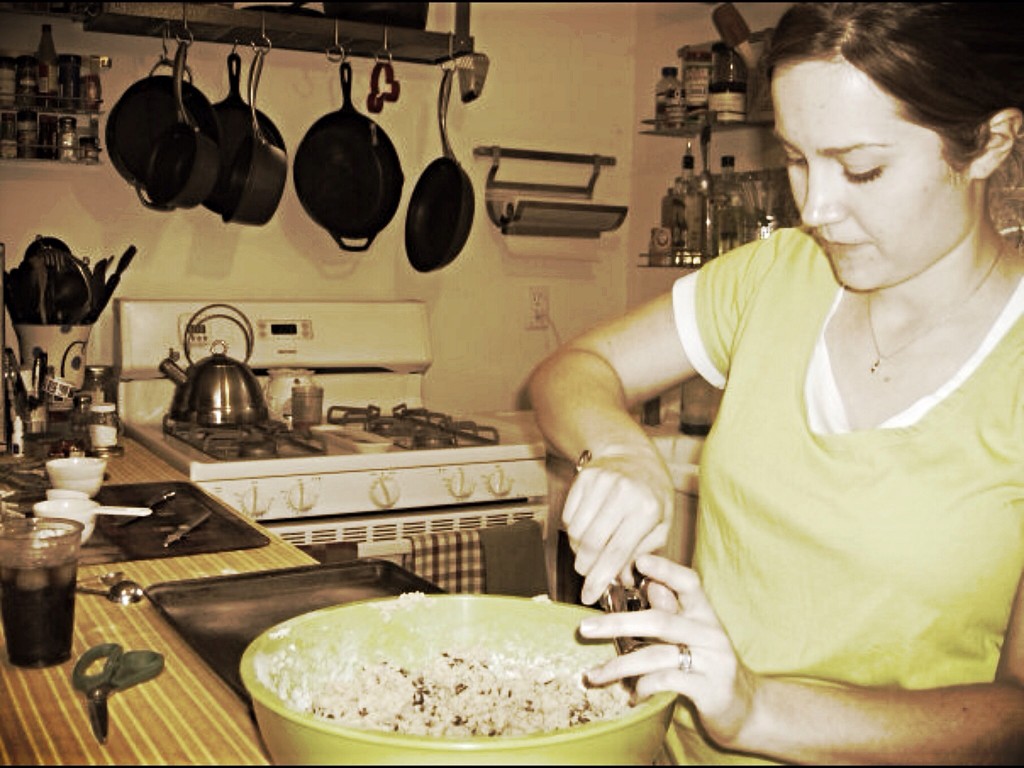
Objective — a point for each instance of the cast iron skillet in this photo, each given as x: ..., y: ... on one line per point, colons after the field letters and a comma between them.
x: 141, y: 116
x: 184, y: 165
x: 235, y: 120
x: 258, y: 169
x: 347, y: 173
x: 441, y: 209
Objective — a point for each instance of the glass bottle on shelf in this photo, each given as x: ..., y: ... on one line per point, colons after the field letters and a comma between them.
x: 727, y: 93
x: 46, y: 78
x: 669, y: 108
x: 673, y: 213
x: 694, y: 235
x: 732, y: 215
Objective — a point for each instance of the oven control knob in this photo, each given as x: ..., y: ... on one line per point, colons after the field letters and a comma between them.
x: 499, y: 483
x: 384, y: 491
x: 458, y: 486
x: 251, y: 504
x: 303, y: 496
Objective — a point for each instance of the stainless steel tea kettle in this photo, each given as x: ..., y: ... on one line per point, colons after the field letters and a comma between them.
x: 218, y: 390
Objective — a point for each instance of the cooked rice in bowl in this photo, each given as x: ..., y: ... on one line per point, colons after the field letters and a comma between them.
x: 447, y: 679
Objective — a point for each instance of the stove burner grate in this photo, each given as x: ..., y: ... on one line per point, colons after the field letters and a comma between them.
x: 414, y: 428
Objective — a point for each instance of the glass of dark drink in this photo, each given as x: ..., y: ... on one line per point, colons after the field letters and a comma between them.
x: 38, y: 570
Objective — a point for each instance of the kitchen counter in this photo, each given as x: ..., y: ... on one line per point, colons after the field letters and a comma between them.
x: 187, y: 715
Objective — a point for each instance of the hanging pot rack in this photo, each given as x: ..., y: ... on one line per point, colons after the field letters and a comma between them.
x: 216, y: 23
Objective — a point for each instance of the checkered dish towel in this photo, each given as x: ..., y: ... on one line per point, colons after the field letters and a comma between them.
x: 454, y: 561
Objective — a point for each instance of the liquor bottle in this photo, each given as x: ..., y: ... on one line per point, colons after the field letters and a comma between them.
x: 731, y: 216
x: 46, y: 56
x: 673, y: 213
x: 694, y: 234
x: 727, y: 93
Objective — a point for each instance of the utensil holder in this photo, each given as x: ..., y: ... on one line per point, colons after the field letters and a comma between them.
x: 64, y: 345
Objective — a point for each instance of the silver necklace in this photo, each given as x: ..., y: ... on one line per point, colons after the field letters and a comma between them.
x: 881, y: 358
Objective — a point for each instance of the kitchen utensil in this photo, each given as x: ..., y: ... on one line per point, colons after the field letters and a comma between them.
x: 258, y: 169
x: 217, y: 389
x: 72, y: 288
x: 442, y: 206
x: 185, y: 162
x: 347, y: 173
x: 124, y: 592
x: 120, y: 670
x: 112, y: 283
x: 142, y: 115
x: 185, y: 529
x: 472, y: 75
x: 377, y: 96
x: 409, y: 632
x: 234, y: 117
x: 618, y: 598
x: 98, y: 281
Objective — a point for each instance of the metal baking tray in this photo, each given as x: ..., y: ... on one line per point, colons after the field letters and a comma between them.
x: 219, y: 616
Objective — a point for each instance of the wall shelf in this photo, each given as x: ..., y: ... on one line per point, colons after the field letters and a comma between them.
x: 546, y: 218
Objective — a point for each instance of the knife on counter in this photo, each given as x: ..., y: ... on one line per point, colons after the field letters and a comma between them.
x: 185, y: 529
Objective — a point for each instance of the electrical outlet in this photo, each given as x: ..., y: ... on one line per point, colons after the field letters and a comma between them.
x: 537, y: 319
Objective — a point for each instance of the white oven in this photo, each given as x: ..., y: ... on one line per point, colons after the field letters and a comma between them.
x: 357, y: 487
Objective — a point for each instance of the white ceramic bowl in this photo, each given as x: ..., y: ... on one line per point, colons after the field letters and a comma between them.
x: 78, y: 473
x: 82, y: 510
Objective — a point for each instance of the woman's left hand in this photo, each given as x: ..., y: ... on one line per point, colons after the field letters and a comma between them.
x: 690, y: 652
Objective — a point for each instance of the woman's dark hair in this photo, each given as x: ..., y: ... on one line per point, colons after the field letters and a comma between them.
x: 951, y: 65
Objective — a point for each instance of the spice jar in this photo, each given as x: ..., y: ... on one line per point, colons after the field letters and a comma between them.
x: 69, y: 80
x: 8, y: 136
x: 67, y: 139
x: 81, y: 414
x: 8, y: 68
x: 100, y: 381
x: 47, y: 137
x: 26, y: 81
x: 104, y: 430
x: 92, y: 89
x: 28, y: 133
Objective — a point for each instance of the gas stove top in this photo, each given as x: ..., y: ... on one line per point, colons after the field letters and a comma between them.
x: 403, y: 428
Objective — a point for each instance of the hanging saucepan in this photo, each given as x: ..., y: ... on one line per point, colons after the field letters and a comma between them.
x: 347, y: 173
x: 185, y: 162
x: 141, y: 116
x: 259, y: 169
x: 441, y: 208
x: 235, y: 119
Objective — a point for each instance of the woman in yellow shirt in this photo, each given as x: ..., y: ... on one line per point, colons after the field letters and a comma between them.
x: 855, y: 594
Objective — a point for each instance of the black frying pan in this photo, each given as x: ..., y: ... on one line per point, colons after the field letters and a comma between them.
x: 142, y: 115
x: 184, y: 165
x: 235, y: 120
x: 347, y: 173
x: 442, y: 206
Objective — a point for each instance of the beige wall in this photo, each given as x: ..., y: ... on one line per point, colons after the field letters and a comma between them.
x: 564, y: 76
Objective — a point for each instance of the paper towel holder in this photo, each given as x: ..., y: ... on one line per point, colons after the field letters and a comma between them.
x: 546, y: 218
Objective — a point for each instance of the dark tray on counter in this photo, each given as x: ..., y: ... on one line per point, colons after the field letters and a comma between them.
x: 143, y: 537
x: 219, y: 616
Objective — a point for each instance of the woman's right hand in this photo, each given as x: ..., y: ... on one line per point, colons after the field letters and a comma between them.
x: 619, y: 507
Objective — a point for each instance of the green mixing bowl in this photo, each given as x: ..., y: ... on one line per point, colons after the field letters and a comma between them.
x: 409, y: 630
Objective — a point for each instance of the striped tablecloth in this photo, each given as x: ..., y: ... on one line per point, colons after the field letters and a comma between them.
x: 187, y: 715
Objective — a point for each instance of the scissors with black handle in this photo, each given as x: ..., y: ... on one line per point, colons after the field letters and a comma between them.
x: 120, y: 670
